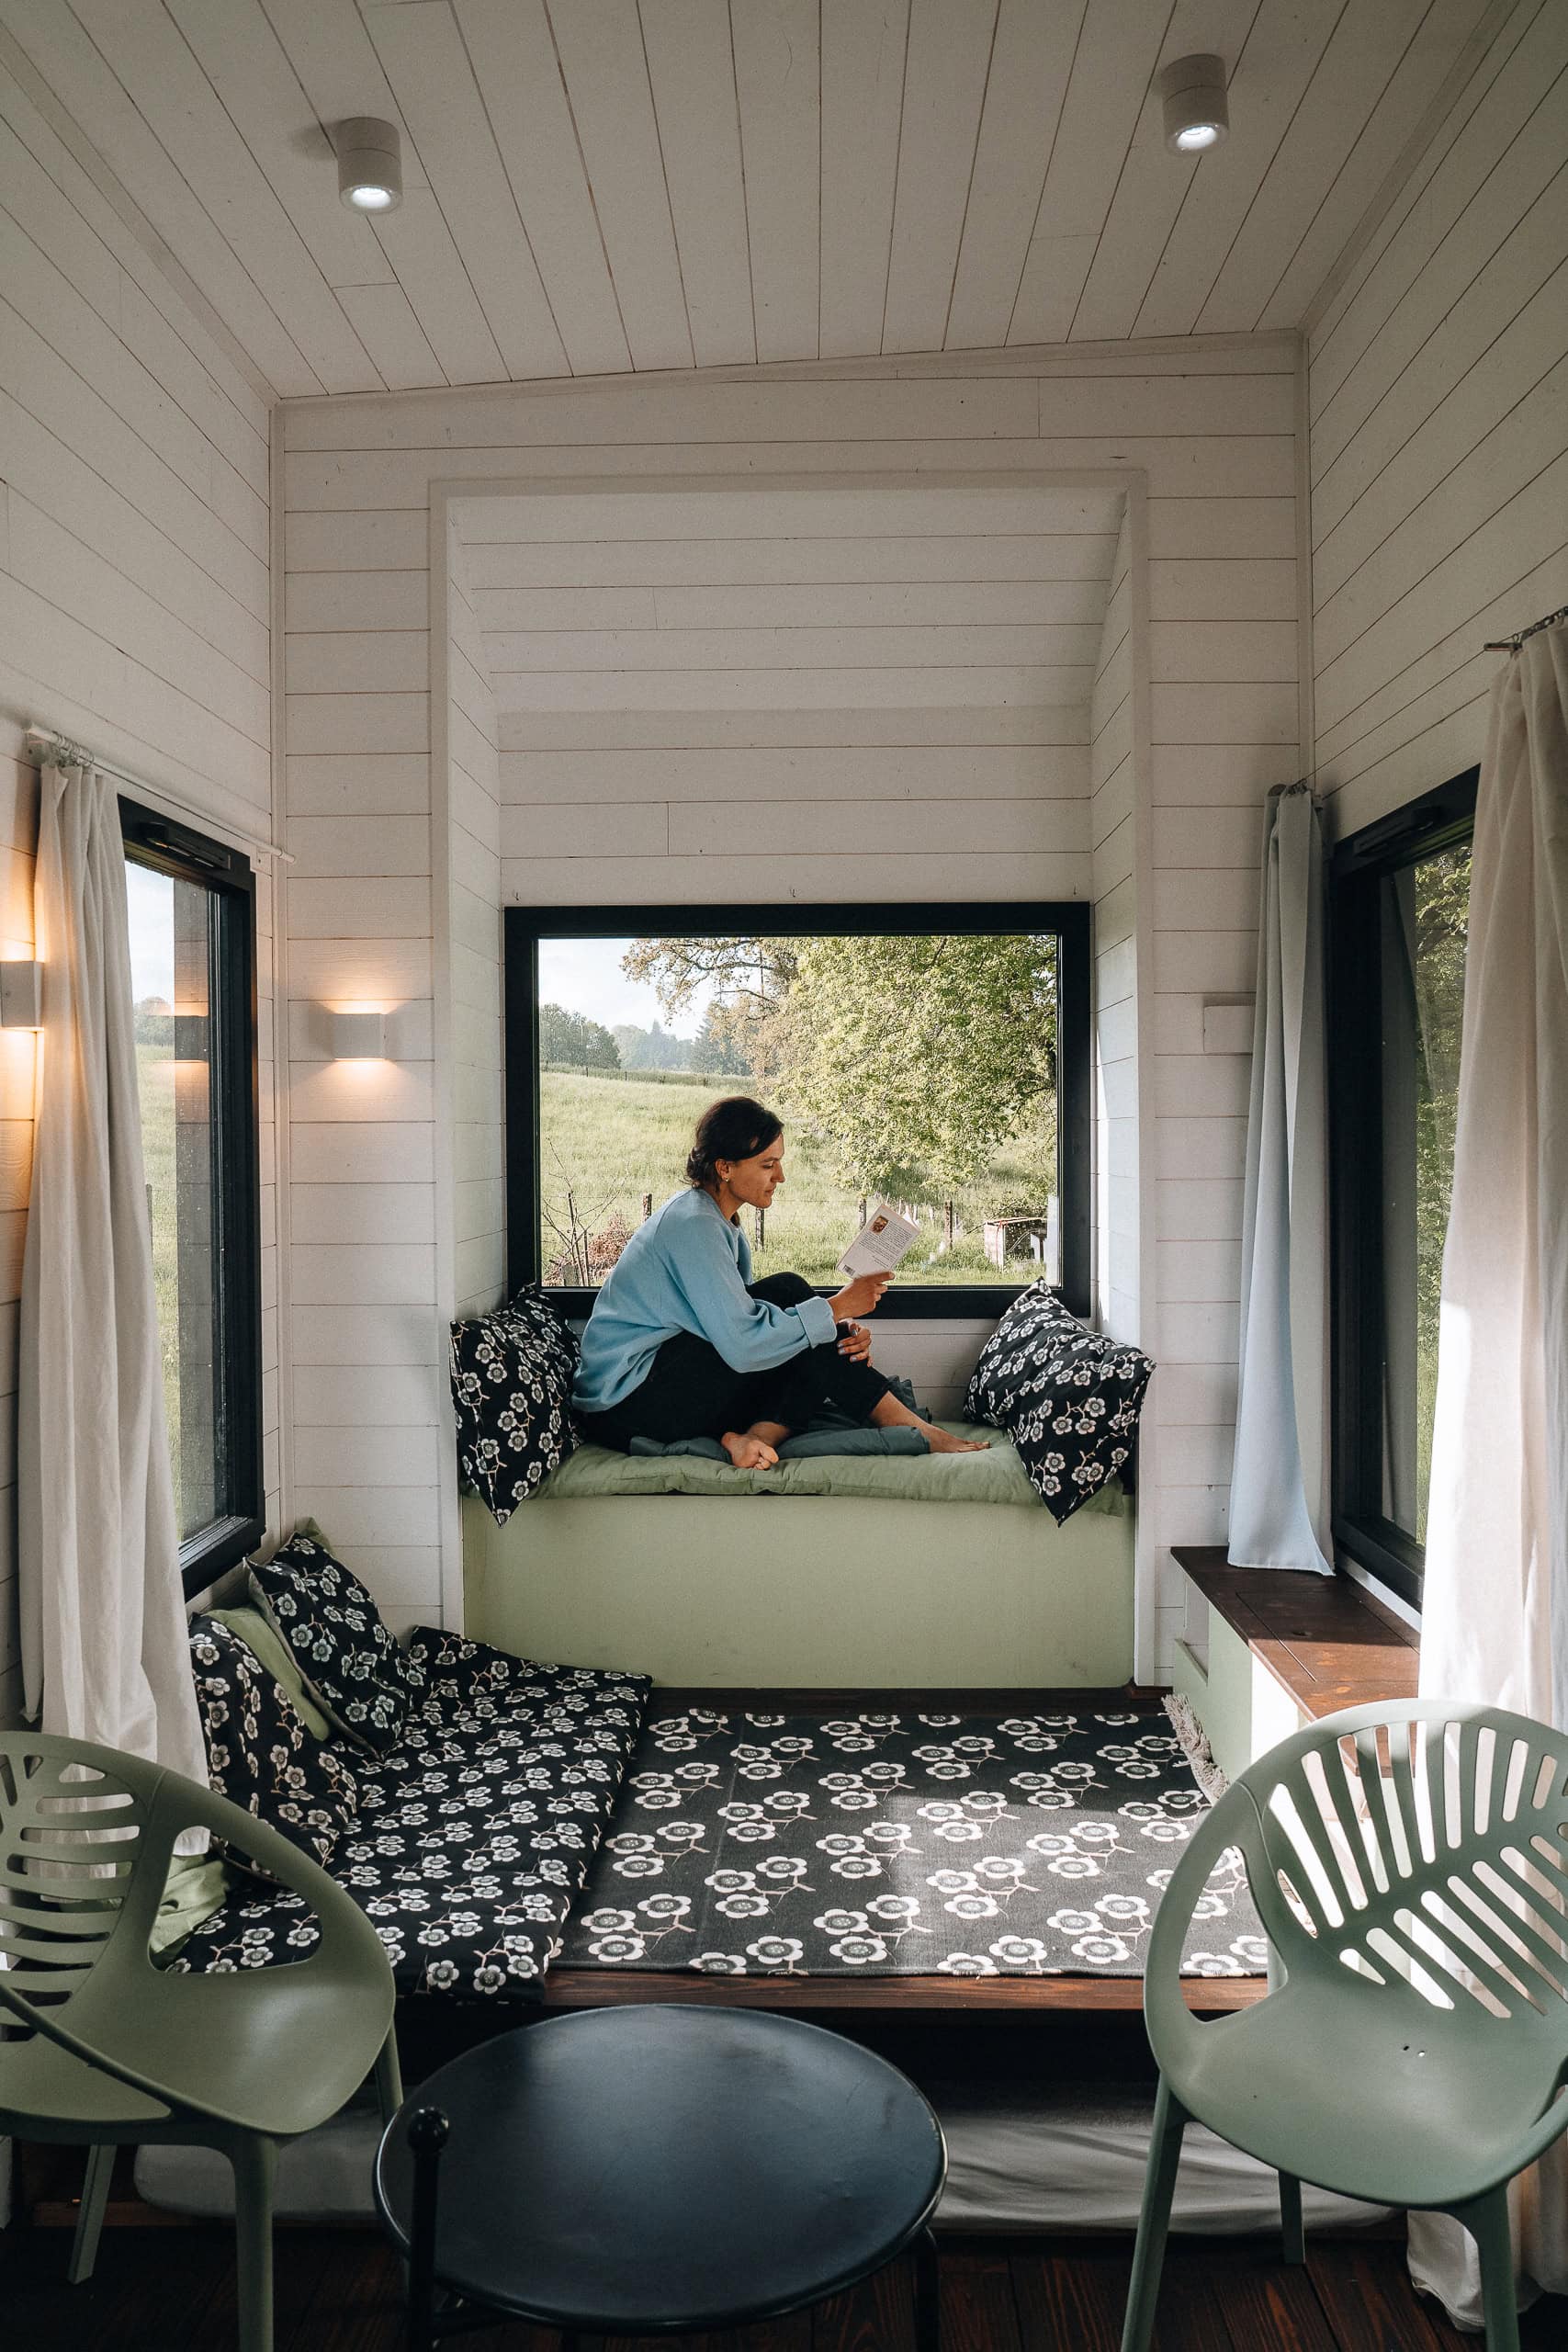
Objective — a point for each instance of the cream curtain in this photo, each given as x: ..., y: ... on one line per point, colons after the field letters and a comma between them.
x: 1495, y: 1614
x: 104, y: 1649
x: 1279, y: 1513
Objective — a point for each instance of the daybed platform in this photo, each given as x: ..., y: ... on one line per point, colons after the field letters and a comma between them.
x: 872, y: 1573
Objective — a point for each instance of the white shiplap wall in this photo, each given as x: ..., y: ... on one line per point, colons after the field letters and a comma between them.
x: 1224, y: 725
x: 1439, y: 377
x: 134, y: 614
x: 1209, y: 431
x: 365, y: 1243
x: 479, y: 1204
x: 1113, y: 824
x: 766, y: 693
x: 803, y: 640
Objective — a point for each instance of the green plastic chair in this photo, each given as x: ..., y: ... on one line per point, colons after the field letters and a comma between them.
x: 119, y: 2050
x: 1409, y: 1865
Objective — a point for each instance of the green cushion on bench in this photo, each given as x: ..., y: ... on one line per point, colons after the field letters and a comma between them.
x: 593, y: 1472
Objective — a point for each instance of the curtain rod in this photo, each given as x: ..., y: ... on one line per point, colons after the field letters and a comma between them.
x: 1512, y: 644
x: 43, y: 742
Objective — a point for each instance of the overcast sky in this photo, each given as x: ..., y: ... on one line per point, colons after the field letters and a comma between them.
x: 150, y: 901
x: 585, y: 976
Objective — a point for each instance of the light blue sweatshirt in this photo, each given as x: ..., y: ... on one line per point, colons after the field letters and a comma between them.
x: 686, y: 1270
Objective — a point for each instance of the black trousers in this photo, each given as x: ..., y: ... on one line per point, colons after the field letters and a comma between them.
x: 691, y: 1392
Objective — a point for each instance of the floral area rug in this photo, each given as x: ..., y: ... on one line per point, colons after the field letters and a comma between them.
x: 888, y: 1844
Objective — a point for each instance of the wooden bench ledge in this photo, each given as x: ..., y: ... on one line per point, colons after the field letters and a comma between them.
x: 1326, y: 1640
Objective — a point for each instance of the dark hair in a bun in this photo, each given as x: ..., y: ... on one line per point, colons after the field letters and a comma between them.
x: 736, y: 1128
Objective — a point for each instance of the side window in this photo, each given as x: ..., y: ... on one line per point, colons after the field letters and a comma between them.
x: 1401, y: 906
x: 192, y: 910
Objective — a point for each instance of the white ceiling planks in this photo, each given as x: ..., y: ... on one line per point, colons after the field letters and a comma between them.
x: 243, y: 60
x: 1117, y: 50
x: 383, y: 318
x: 1031, y: 59
x: 1267, y: 83
x: 778, y: 81
x: 326, y: 43
x: 691, y: 73
x: 1149, y: 196
x: 944, y: 88
x: 61, y: 54
x: 593, y: 187
x: 1311, y: 154
x: 1446, y: 30
x: 606, y: 72
x: 422, y: 54
x: 154, y: 64
x: 513, y: 56
x: 863, y: 44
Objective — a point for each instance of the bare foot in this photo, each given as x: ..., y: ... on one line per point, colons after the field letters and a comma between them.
x: 943, y: 1441
x: 749, y: 1452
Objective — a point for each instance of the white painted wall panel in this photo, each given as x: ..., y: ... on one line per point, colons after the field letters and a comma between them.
x: 134, y: 589
x: 1439, y: 377
x: 474, y: 835
x: 747, y: 782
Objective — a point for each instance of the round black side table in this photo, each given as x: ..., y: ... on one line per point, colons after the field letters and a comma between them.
x: 658, y: 2170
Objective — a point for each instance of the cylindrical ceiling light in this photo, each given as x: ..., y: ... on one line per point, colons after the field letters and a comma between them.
x: 1196, y: 114
x: 370, y: 165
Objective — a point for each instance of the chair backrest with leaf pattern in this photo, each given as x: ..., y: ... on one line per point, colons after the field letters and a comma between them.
x: 80, y: 1865
x: 1422, y: 1849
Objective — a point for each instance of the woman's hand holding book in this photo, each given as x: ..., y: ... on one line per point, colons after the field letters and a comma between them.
x: 859, y: 1296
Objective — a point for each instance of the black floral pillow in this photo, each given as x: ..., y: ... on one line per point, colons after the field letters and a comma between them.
x: 353, y: 1668
x: 511, y: 1375
x: 259, y: 1753
x: 1068, y: 1397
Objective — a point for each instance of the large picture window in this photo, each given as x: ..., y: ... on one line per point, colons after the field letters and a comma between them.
x: 936, y: 1057
x: 191, y: 905
x: 1401, y: 904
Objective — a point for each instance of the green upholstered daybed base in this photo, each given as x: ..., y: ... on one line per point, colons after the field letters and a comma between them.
x: 870, y: 1574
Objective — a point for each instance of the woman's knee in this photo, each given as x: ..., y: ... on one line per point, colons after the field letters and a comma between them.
x: 781, y: 1290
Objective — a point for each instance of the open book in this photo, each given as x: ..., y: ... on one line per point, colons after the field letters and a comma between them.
x: 880, y: 1243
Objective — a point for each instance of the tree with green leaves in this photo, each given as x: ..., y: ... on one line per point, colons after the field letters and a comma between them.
x: 719, y: 1047
x: 572, y: 1038
x: 915, y: 1058
x: 749, y: 979
x: 652, y: 1048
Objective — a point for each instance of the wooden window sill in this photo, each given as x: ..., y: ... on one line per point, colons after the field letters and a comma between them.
x: 1324, y: 1641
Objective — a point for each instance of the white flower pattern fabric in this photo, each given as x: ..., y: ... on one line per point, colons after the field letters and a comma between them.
x: 355, y: 1670
x: 884, y: 1843
x: 474, y: 1834
x: 1068, y: 1397
x: 512, y: 1377
x: 261, y: 1754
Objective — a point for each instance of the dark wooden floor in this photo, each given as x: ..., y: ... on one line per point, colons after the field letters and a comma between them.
x: 172, y: 2290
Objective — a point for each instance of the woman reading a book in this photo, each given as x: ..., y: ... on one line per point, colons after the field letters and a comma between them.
x: 683, y: 1342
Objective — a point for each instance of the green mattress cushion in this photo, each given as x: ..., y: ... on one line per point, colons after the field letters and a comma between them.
x: 593, y: 1473
x: 809, y: 1445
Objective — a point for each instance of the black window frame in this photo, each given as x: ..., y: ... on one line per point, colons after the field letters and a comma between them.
x: 1068, y: 920
x: 1439, y: 819
x: 177, y: 849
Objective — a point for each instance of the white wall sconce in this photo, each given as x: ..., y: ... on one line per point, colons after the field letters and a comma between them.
x: 370, y: 165
x: 357, y: 1036
x: 1197, y: 113
x: 21, y: 995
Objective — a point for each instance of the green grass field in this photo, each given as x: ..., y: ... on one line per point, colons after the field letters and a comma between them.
x: 155, y: 1085
x: 611, y: 1139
